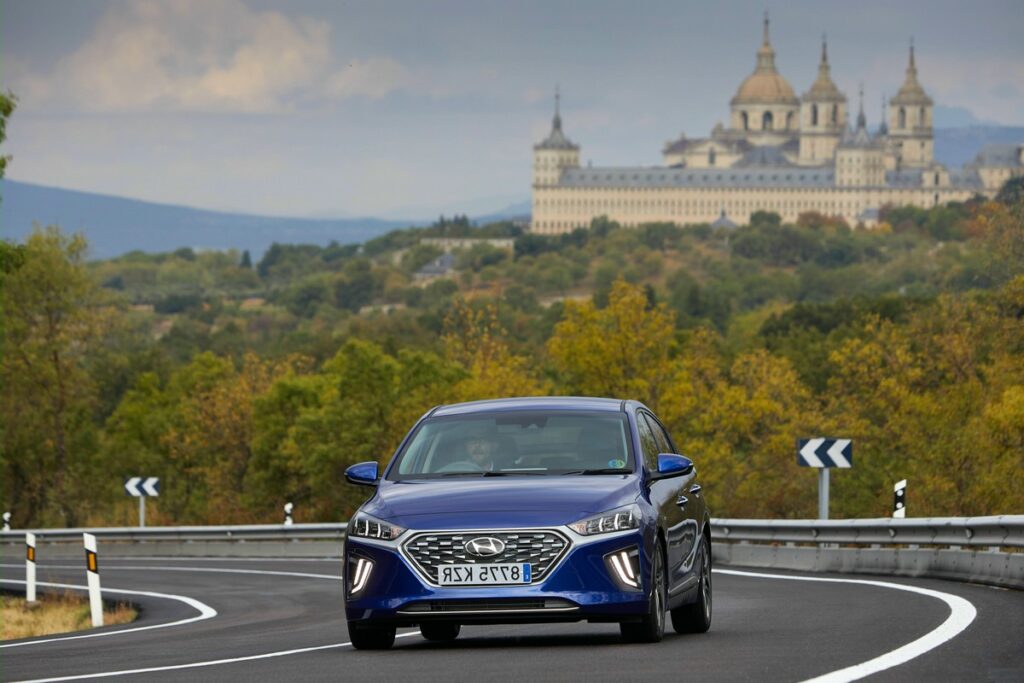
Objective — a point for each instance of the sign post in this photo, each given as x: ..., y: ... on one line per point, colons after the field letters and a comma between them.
x: 141, y: 488
x: 823, y: 454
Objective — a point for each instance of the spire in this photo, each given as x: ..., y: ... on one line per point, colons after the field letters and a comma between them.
x: 823, y: 88
x: 766, y: 54
x: 556, y: 123
x: 883, y: 127
x: 911, y: 92
x: 556, y: 138
x: 862, y: 121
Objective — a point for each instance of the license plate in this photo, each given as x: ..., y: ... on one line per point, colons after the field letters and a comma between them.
x: 483, y: 574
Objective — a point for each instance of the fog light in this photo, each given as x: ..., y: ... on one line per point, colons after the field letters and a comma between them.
x: 359, y: 569
x: 624, y: 566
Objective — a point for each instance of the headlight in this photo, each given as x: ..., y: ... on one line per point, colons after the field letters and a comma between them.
x: 627, y: 517
x: 365, y: 526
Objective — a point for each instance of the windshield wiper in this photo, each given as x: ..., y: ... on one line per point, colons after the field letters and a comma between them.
x: 600, y: 470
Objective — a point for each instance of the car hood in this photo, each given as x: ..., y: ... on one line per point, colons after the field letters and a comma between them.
x: 499, y: 501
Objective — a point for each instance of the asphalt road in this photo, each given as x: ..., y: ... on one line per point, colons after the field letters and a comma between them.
x: 765, y: 629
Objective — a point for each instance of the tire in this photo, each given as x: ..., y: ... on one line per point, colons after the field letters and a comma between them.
x: 371, y: 637
x: 696, y: 617
x: 440, y: 631
x: 650, y: 629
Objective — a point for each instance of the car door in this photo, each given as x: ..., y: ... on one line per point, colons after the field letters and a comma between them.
x: 663, y: 495
x: 687, y: 510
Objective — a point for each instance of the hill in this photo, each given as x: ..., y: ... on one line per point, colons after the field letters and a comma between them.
x: 116, y: 225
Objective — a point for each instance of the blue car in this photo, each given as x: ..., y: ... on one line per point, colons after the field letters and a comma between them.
x: 529, y: 510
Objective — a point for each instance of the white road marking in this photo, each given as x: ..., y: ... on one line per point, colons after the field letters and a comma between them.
x: 962, y: 613
x: 196, y: 665
x: 205, y: 612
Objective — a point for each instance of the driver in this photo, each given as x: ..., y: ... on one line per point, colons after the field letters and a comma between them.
x: 481, y: 447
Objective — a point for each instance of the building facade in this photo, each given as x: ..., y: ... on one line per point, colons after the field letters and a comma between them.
x: 780, y: 153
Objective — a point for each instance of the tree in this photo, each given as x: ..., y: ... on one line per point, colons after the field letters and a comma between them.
x: 53, y: 313
x: 246, y: 261
x: 7, y: 103
x: 474, y: 340
x: 620, y: 351
x: 1012, y: 192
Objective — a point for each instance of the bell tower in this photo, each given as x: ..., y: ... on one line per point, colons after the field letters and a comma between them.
x: 555, y: 153
x: 911, y: 138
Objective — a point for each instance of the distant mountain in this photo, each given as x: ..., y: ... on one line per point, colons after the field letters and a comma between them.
x: 115, y: 225
x: 512, y: 211
x: 955, y: 147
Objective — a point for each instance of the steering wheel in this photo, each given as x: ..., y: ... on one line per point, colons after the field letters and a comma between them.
x: 461, y: 466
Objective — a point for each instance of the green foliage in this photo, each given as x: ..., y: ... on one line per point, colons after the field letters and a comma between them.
x: 7, y: 104
x: 247, y: 387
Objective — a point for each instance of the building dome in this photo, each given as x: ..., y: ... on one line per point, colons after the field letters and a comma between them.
x: 765, y: 85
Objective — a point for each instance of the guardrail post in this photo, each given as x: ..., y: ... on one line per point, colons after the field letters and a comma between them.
x: 92, y: 572
x: 30, y: 567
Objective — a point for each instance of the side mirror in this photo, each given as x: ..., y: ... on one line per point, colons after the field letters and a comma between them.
x: 363, y: 474
x: 672, y: 465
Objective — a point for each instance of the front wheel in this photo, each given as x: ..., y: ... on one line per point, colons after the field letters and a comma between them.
x: 371, y: 637
x: 440, y: 632
x: 650, y: 629
x: 696, y: 617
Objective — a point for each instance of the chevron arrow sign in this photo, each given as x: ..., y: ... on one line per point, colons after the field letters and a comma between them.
x: 824, y: 453
x: 142, y: 486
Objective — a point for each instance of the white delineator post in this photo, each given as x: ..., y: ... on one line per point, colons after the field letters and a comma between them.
x: 30, y: 567
x: 288, y: 507
x: 92, y: 573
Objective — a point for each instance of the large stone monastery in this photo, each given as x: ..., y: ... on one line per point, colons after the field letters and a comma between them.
x: 780, y: 153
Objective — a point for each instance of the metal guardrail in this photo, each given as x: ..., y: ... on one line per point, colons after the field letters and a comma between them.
x: 998, y: 531
x: 1001, y: 531
x: 245, y: 532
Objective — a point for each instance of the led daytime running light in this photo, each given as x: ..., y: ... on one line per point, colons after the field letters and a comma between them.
x: 625, y: 567
x: 362, y: 575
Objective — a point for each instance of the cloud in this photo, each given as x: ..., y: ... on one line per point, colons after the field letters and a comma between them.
x: 205, y: 56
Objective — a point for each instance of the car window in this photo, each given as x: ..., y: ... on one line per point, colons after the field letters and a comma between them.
x: 517, y: 442
x: 648, y: 444
x: 660, y: 435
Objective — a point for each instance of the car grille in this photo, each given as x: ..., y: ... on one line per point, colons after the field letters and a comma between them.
x: 541, y: 548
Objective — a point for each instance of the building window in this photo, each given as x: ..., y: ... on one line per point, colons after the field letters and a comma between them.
x: 921, y: 120
x: 814, y: 114
x: 835, y: 113
x: 767, y: 121
x: 711, y: 157
x: 746, y: 121
x: 903, y: 118
x: 789, y: 121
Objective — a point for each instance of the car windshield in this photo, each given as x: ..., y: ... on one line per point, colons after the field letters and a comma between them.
x: 517, y: 443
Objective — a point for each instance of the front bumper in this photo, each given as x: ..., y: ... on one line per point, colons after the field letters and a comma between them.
x: 579, y: 587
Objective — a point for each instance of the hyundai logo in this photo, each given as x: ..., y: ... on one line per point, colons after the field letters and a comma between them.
x: 485, y: 546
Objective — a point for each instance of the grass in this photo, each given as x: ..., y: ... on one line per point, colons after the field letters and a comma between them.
x: 54, y: 613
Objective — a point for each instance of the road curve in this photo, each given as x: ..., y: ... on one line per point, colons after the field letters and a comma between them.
x: 282, y: 619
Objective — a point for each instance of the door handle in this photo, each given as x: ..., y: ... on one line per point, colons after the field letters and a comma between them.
x: 695, y: 489
x: 681, y: 501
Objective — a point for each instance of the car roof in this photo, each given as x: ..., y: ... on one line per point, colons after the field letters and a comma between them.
x: 533, y: 403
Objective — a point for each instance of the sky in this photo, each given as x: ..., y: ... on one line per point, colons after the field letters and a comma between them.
x: 399, y: 109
